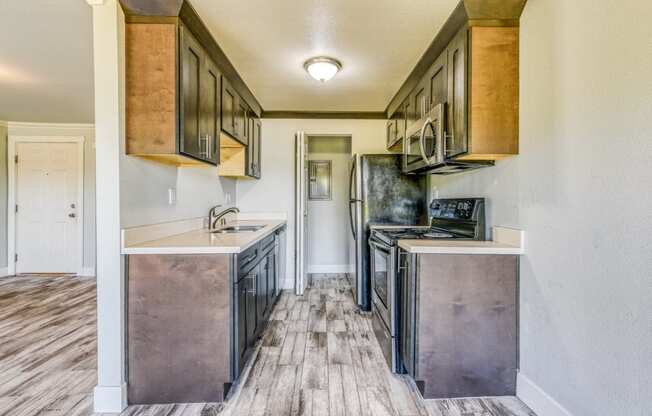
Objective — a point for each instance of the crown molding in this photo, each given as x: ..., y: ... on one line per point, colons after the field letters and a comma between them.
x: 4, y: 123
x: 95, y: 2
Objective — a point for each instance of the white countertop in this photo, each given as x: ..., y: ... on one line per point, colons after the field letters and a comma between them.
x: 506, y: 241
x: 201, y: 241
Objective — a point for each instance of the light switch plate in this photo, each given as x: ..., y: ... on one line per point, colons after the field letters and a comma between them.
x: 172, y: 196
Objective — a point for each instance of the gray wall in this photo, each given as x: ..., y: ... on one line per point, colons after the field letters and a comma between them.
x: 581, y: 190
x: 328, y: 227
x: 144, y: 191
x: 275, y: 191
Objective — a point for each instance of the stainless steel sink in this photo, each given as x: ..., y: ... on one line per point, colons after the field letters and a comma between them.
x: 238, y: 229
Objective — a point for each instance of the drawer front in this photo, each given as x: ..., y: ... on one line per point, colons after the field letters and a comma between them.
x: 246, y: 260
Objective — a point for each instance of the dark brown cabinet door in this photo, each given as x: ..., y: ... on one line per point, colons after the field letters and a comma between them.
x: 229, y: 107
x: 251, y: 301
x: 391, y: 131
x: 210, y: 112
x: 253, y: 149
x: 241, y: 293
x: 191, y: 61
x: 261, y: 294
x: 271, y: 279
x: 457, y: 63
x: 437, y: 81
x: 242, y: 122
x: 420, y: 101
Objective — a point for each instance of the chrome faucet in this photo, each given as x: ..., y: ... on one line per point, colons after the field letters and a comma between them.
x: 214, y: 217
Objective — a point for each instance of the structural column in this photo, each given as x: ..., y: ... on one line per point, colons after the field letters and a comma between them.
x: 108, y: 46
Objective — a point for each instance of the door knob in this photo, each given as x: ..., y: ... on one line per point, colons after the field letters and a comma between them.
x: 72, y: 215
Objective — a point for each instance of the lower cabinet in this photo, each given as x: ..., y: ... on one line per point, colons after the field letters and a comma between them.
x: 255, y: 293
x: 464, y: 307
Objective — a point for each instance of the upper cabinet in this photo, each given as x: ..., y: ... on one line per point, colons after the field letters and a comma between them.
x: 472, y: 70
x: 185, y: 103
x: 199, y: 102
x: 172, y: 96
x: 229, y: 104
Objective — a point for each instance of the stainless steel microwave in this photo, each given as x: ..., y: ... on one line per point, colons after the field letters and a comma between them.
x: 423, y: 146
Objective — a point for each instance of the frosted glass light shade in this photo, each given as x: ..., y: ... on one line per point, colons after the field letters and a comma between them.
x: 322, y: 68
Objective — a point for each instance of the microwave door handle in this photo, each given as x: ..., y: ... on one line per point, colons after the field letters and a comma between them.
x: 422, y: 140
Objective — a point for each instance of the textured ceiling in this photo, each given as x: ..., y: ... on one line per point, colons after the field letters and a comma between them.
x: 46, y: 61
x: 377, y: 41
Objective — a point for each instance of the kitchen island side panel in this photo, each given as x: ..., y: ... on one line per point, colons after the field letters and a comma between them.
x: 179, y: 335
x: 467, y: 325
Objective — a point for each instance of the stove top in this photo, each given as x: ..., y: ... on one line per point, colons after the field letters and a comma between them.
x: 460, y: 218
x: 392, y: 235
x: 415, y: 233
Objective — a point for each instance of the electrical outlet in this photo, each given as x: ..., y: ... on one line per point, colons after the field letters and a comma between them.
x: 172, y: 196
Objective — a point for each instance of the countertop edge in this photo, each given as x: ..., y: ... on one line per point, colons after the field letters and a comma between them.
x: 496, y: 249
x: 144, y: 249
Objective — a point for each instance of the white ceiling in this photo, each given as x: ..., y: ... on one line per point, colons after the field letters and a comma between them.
x: 46, y: 61
x: 377, y: 41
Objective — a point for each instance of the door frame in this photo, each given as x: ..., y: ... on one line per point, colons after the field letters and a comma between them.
x: 11, y: 194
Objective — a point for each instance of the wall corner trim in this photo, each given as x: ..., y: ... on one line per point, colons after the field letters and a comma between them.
x: 110, y: 399
x: 537, y: 399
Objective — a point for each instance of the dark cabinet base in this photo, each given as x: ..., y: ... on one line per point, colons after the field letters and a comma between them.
x: 178, y: 318
x: 466, y: 325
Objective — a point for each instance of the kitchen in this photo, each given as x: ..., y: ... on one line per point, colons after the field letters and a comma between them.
x: 457, y: 111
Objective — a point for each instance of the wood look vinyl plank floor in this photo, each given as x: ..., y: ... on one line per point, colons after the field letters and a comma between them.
x: 48, y: 347
x: 318, y: 356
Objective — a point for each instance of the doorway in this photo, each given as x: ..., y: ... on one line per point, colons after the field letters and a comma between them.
x: 45, y: 204
x: 323, y: 234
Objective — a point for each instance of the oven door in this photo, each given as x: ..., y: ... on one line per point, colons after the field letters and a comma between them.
x: 383, y: 282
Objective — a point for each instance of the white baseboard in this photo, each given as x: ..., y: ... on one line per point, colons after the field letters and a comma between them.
x: 110, y: 399
x: 4, y: 272
x: 331, y: 268
x: 88, y: 272
x: 537, y: 399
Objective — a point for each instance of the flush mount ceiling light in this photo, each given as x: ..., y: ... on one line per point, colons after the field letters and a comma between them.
x: 322, y: 68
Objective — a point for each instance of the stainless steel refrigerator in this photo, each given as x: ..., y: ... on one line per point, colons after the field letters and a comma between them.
x: 380, y: 194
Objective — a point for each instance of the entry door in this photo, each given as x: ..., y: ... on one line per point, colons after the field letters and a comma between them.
x: 47, y: 215
x: 301, y: 212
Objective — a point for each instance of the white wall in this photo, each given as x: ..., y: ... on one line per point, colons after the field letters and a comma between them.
x: 582, y: 190
x: 329, y: 232
x: 56, y: 130
x: 144, y: 191
x: 275, y: 191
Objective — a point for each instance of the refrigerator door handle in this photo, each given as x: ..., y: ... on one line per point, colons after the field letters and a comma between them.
x: 351, y: 207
